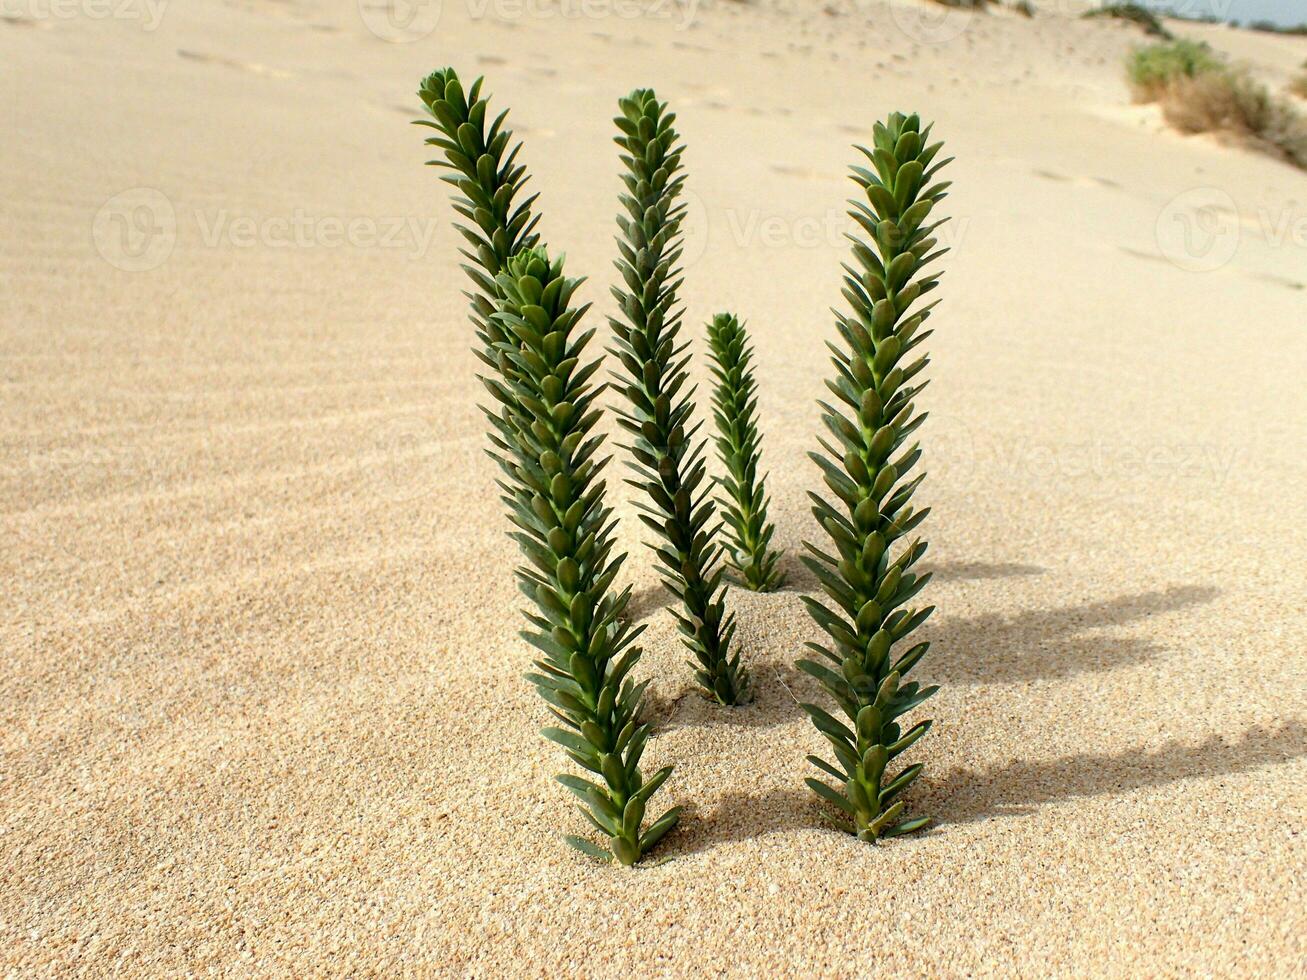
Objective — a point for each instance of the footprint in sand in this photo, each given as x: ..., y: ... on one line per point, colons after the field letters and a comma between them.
x: 249, y: 66
x: 803, y: 173
x: 1082, y: 181
x: 12, y: 21
x: 1140, y: 254
x: 1282, y: 281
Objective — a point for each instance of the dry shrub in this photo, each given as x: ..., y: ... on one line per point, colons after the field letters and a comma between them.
x: 1233, y: 103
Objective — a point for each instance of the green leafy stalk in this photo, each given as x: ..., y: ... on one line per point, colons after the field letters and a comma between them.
x: 869, y: 580
x: 482, y: 165
x: 549, y: 454
x: 668, y: 462
x: 542, y: 437
x: 735, y: 408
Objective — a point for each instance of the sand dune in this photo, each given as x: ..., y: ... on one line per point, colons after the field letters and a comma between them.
x: 262, y: 704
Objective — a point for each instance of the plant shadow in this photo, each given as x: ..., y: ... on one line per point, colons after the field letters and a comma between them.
x: 744, y: 816
x: 1018, y: 789
x: 648, y: 600
x: 994, y: 648
x: 799, y: 578
x: 774, y: 703
x: 1040, y: 644
x: 965, y: 795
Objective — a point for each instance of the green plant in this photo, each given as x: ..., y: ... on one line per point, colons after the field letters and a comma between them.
x: 668, y: 462
x: 544, y: 441
x: 1153, y: 67
x: 566, y: 532
x: 1270, y: 27
x: 1135, y: 14
x: 735, y: 406
x: 870, y: 578
x: 483, y: 168
x: 1024, y: 8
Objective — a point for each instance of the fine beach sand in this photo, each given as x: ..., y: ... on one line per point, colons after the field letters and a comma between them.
x: 261, y: 704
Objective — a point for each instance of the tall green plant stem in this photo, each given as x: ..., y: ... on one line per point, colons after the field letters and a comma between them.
x: 666, y: 458
x: 735, y: 409
x: 869, y: 579
x: 542, y: 437
x: 566, y: 533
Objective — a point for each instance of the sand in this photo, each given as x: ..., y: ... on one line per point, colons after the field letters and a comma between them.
x: 261, y: 704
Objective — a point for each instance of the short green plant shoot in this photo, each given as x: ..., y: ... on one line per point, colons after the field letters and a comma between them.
x: 667, y: 458
x: 868, y: 467
x: 543, y: 438
x: 483, y: 167
x: 735, y: 409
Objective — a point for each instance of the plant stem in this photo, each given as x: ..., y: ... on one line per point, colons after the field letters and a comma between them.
x: 869, y: 578
x: 668, y: 463
x: 566, y: 533
x: 735, y: 409
x: 542, y: 438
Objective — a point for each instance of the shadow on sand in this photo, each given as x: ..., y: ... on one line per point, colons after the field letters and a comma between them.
x: 1017, y: 789
x: 1038, y: 644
